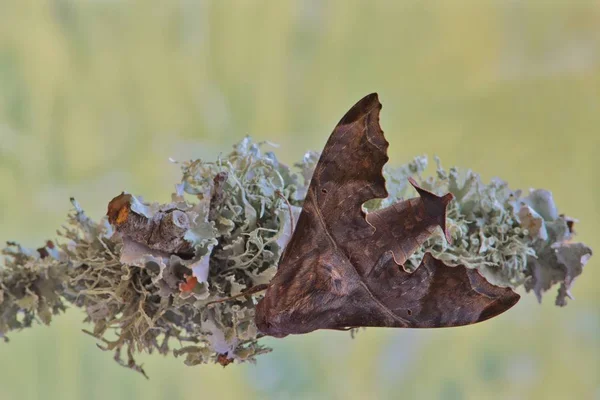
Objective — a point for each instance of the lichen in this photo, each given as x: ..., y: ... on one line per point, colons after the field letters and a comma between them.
x: 511, y: 239
x: 161, y: 277
x: 31, y: 286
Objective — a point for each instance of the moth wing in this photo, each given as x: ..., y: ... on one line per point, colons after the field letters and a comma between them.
x: 349, y: 172
x: 339, y: 270
x: 436, y: 295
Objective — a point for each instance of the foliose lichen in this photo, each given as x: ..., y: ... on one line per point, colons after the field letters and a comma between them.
x: 510, y: 238
x: 162, y: 277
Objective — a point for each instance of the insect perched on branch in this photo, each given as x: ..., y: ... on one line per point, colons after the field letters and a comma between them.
x: 344, y: 268
x: 183, y: 277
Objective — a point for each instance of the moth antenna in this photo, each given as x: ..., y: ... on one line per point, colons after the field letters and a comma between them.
x: 435, y: 206
x: 289, y: 209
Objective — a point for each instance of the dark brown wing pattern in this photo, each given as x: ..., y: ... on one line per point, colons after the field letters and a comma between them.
x: 343, y: 268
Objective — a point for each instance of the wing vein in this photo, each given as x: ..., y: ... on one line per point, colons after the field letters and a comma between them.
x: 377, y: 301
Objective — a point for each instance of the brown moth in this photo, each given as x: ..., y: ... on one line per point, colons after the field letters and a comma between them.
x: 344, y: 268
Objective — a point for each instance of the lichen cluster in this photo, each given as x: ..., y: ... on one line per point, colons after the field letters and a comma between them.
x: 154, y: 277
x: 31, y: 286
x: 511, y: 238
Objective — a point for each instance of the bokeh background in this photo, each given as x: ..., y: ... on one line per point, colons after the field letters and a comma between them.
x: 96, y: 95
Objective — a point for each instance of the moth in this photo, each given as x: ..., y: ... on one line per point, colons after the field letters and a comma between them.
x: 343, y: 268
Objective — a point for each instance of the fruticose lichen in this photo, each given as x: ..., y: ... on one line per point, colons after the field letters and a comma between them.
x: 161, y: 277
x: 31, y: 286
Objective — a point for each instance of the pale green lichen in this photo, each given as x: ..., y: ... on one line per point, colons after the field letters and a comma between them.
x: 238, y: 213
x: 31, y: 287
x: 511, y: 239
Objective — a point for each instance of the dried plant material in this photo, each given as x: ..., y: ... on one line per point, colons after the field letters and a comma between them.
x: 159, y: 228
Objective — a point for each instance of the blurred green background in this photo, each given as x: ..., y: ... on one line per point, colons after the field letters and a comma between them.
x: 95, y: 96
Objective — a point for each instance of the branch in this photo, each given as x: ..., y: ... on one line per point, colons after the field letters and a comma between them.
x: 159, y: 274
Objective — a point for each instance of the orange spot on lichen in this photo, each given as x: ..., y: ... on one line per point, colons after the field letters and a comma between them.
x: 118, y: 209
x: 224, y: 360
x: 122, y: 216
x: 189, y: 285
